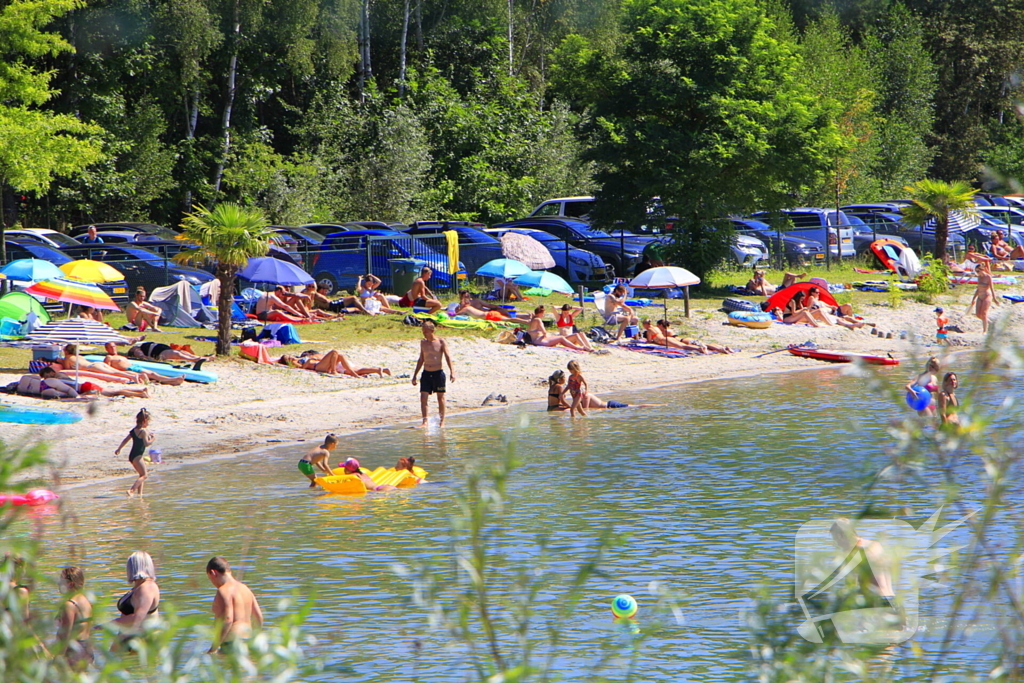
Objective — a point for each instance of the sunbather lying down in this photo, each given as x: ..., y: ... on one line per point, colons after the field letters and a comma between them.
x: 663, y: 334
x: 331, y: 363
x: 48, y: 384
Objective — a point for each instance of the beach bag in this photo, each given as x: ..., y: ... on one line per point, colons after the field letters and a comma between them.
x: 505, y: 337
x: 599, y: 334
x: 413, y: 321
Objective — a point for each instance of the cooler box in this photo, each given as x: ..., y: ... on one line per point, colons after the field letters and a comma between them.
x: 45, y: 353
x: 403, y: 272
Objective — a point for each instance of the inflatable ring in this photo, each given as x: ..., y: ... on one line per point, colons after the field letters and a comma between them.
x: 757, y: 321
x: 33, y: 497
x: 731, y: 305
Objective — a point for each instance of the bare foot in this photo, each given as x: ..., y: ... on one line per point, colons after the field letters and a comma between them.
x: 441, y: 423
x: 423, y: 425
x: 130, y: 493
x: 312, y: 484
x: 385, y: 371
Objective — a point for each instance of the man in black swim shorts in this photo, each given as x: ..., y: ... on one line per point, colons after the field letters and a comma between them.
x: 433, y: 350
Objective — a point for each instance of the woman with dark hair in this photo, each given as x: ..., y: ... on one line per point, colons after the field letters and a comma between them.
x: 947, y: 399
x: 538, y: 336
x: 74, y: 626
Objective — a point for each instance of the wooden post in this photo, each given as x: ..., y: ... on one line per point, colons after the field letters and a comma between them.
x: 581, y: 293
x: 686, y: 300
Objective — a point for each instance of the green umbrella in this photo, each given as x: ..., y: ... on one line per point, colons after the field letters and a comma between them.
x: 17, y: 305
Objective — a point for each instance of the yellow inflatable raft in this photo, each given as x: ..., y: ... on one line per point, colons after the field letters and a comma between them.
x: 352, y: 484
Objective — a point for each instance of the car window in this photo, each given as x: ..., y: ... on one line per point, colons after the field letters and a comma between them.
x: 549, y: 209
x: 804, y: 219
x: 579, y: 209
x: 306, y: 234
x: 471, y: 236
x: 348, y: 243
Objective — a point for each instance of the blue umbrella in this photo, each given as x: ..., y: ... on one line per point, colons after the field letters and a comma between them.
x: 275, y: 271
x: 31, y: 270
x: 544, y: 280
x: 502, y: 267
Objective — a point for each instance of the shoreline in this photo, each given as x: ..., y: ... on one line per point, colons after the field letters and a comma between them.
x: 254, y: 408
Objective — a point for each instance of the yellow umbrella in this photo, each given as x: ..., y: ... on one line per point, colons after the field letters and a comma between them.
x: 86, y: 270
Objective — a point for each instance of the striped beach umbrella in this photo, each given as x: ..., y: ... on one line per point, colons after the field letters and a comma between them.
x: 87, y: 270
x: 73, y: 292
x: 75, y: 330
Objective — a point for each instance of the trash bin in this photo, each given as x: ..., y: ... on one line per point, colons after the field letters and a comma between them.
x: 403, y: 272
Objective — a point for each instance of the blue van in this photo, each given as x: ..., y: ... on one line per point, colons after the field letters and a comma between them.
x: 343, y: 256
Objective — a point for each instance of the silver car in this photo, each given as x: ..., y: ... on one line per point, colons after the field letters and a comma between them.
x: 577, y: 266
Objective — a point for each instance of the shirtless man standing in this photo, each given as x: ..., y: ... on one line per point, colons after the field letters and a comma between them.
x: 318, y: 457
x: 234, y: 607
x: 432, y: 350
x: 420, y: 295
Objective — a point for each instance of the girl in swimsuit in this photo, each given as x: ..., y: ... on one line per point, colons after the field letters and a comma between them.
x: 556, y: 391
x: 141, y: 439
x: 948, y: 402
x: 577, y: 388
x: 140, y: 604
x: 74, y: 619
x: 588, y: 400
x: 929, y: 379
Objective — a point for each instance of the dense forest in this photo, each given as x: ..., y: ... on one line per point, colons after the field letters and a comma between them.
x: 319, y: 110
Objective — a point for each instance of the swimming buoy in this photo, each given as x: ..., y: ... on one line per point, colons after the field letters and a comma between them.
x: 33, y: 497
x: 731, y: 305
x: 756, y: 320
x: 919, y: 398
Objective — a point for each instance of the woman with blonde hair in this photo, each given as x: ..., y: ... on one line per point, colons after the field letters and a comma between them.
x: 139, y: 605
x: 74, y: 625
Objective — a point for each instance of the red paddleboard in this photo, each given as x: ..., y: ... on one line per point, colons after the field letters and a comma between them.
x: 841, y: 356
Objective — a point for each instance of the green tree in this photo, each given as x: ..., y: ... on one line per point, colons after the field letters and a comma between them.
x: 906, y: 80
x: 711, y: 116
x: 229, y: 235
x: 35, y: 145
x: 935, y: 199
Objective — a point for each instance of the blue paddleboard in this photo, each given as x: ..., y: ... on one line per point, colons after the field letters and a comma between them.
x: 166, y: 370
x: 36, y: 416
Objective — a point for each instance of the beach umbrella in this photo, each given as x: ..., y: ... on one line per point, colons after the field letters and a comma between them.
x: 665, y: 277
x: 73, y: 292
x: 959, y: 221
x: 75, y: 330
x: 526, y: 250
x: 31, y: 269
x: 502, y: 267
x: 86, y: 270
x: 17, y: 306
x: 544, y: 280
x: 275, y: 272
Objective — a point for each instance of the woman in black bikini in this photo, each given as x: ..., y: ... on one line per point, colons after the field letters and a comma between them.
x: 556, y: 391
x: 74, y: 621
x: 162, y: 352
x: 139, y: 604
x: 141, y: 439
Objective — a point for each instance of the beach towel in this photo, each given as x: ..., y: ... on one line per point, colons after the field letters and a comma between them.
x: 444, y: 320
x: 282, y: 332
x: 656, y: 350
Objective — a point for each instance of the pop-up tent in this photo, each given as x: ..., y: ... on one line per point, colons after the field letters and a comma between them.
x: 781, y: 298
x: 17, y: 306
x: 176, y: 302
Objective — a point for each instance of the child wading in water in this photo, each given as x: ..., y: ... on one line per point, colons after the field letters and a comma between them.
x: 577, y: 389
x: 141, y: 439
x: 941, y: 321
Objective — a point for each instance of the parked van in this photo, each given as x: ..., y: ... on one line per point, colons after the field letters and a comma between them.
x: 826, y: 226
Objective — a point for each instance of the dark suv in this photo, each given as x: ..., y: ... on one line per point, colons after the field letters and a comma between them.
x: 622, y: 254
x: 344, y: 256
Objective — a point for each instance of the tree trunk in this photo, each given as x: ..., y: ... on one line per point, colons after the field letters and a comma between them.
x: 191, y: 121
x: 419, y: 26
x: 366, y: 42
x: 941, y: 237
x: 229, y: 102
x: 405, y: 37
x: 226, y: 276
x: 510, y: 38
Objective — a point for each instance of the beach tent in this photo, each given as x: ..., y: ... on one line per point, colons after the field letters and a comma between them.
x: 17, y: 305
x: 175, y: 302
x: 781, y: 298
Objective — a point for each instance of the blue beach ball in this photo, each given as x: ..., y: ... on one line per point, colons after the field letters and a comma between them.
x: 919, y: 398
x: 624, y: 606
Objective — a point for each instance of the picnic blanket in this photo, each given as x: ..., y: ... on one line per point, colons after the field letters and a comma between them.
x: 656, y: 350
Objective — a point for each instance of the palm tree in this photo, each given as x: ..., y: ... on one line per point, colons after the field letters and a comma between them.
x: 935, y: 199
x: 228, y: 235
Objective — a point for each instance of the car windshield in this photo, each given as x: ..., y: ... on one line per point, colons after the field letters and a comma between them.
x: 584, y: 230
x: 305, y: 233
x: 41, y: 251
x: 61, y: 239
x: 548, y: 239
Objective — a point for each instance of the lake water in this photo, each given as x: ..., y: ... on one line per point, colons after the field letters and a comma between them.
x: 709, y: 488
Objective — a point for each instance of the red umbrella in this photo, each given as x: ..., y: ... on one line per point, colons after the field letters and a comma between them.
x: 781, y: 298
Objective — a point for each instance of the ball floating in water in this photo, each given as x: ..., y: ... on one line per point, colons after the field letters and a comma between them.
x: 624, y: 606
x: 919, y: 398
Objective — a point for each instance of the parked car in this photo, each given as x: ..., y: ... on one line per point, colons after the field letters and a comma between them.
x: 344, y: 256
x: 620, y: 254
x: 476, y: 247
x: 150, y: 228
x: 141, y: 267
x: 127, y: 237
x: 50, y: 238
x: 331, y: 228
x: 825, y: 226
x: 301, y: 237
x: 116, y: 290
x: 571, y: 207
x: 891, y: 223
x: 577, y: 266
x: 796, y: 251
x: 746, y: 249
x: 864, y: 235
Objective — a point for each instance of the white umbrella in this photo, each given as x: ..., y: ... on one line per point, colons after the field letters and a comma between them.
x: 664, y: 277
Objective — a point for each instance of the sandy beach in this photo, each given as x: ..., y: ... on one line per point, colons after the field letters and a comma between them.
x: 252, y: 407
